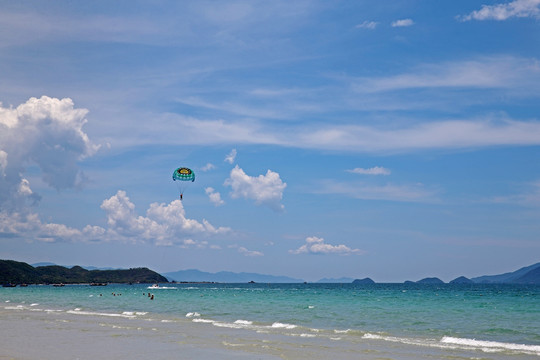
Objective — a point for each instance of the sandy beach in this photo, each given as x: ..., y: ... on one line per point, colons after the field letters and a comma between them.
x: 49, y: 335
x: 26, y: 335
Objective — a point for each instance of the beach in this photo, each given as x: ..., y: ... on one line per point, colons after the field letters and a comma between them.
x: 267, y: 322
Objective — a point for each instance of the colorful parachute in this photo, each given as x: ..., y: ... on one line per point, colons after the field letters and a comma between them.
x: 183, y: 176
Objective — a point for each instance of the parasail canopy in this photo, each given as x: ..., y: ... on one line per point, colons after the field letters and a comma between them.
x: 183, y: 174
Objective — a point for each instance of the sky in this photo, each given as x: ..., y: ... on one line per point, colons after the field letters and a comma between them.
x: 392, y: 140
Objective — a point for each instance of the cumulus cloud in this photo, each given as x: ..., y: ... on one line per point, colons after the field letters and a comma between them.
x: 316, y: 245
x: 377, y: 170
x: 162, y: 225
x: 46, y: 133
x: 214, y: 196
x: 264, y: 189
x: 500, y: 12
x: 367, y: 25
x: 403, y: 23
x: 231, y: 156
x: 29, y: 225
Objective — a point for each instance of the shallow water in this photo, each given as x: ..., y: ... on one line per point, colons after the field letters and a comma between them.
x: 395, y: 321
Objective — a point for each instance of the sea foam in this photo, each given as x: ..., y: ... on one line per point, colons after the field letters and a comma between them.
x: 490, y: 346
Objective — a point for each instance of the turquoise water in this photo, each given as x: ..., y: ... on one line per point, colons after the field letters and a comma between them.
x: 489, y: 319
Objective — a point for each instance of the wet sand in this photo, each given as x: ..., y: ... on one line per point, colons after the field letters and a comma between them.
x: 41, y: 335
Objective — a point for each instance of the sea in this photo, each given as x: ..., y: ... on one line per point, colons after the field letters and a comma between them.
x: 297, y: 321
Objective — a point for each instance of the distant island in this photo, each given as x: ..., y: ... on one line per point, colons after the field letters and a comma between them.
x: 14, y: 272
x: 527, y: 275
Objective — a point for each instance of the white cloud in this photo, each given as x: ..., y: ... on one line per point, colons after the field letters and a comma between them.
x: 408, y: 136
x: 502, y: 72
x: 264, y: 189
x: 44, y: 132
x: 529, y: 196
x: 208, y: 167
x: 451, y: 134
x: 163, y: 224
x: 214, y: 196
x: 316, y: 245
x: 377, y: 170
x: 231, y: 156
x: 367, y: 25
x: 403, y: 23
x: 29, y: 225
x: 516, y: 8
x: 246, y: 252
x: 388, y: 192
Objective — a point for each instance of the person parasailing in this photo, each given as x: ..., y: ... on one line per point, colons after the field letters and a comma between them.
x: 183, y: 176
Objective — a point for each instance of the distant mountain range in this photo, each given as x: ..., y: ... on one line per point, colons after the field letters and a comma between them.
x: 70, y: 266
x: 35, y: 273
x: 526, y: 275
x: 193, y: 275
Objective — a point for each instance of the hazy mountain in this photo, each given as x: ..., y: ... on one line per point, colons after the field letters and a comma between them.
x: 526, y: 275
x: 462, y: 280
x: 430, y: 280
x: 193, y: 275
x: 343, y: 280
x: 71, y: 266
x: 366, y: 281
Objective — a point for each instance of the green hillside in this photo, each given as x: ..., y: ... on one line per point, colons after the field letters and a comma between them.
x: 14, y: 272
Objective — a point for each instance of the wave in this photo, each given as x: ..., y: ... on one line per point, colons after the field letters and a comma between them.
x: 449, y: 342
x: 283, y: 326
x: 153, y: 287
x: 492, y: 346
x: 125, y: 314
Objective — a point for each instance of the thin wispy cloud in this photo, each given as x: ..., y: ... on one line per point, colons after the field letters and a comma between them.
x: 493, y: 72
x: 371, y: 25
x: 208, y: 167
x: 504, y: 11
x: 231, y: 156
x: 414, y: 193
x: 529, y: 196
x: 442, y: 134
x: 242, y: 250
x: 377, y: 170
x: 403, y: 23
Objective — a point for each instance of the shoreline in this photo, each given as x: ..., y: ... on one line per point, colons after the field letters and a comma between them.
x: 31, y: 333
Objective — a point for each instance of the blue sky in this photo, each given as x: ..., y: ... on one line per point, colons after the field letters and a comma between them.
x: 395, y: 140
